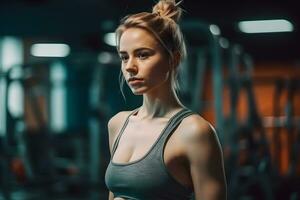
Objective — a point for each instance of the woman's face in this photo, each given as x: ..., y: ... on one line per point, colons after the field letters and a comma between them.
x: 145, y: 64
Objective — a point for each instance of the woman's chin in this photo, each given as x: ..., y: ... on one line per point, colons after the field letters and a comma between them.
x: 137, y: 91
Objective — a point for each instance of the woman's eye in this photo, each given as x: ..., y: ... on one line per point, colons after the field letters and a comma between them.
x: 143, y: 56
x: 124, y: 58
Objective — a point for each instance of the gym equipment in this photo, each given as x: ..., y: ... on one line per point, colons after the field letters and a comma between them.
x: 250, y: 160
x: 202, y: 42
x: 247, y: 151
x: 288, y: 184
x: 245, y: 146
x: 56, y: 157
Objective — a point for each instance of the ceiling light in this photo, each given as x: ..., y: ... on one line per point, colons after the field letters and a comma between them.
x: 110, y: 39
x: 214, y: 29
x: 50, y: 50
x: 266, y: 26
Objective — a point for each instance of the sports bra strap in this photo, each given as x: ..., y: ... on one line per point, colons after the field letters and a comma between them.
x: 121, y: 131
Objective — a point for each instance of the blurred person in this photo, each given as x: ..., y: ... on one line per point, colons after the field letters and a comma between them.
x: 161, y: 150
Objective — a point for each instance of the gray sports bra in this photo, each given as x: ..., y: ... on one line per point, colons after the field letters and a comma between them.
x: 147, y: 178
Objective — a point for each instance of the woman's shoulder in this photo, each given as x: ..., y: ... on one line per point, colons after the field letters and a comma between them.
x: 117, y: 120
x: 195, y: 126
x: 115, y: 124
x: 199, y: 138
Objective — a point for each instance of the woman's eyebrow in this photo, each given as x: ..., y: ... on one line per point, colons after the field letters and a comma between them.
x: 143, y: 48
x: 137, y: 50
x: 122, y: 52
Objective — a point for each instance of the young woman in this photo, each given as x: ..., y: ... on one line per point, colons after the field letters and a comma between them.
x: 160, y: 150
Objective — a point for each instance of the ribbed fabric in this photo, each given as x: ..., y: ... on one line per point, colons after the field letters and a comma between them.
x: 147, y: 178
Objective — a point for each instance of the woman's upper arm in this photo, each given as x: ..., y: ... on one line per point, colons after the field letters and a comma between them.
x: 206, y: 160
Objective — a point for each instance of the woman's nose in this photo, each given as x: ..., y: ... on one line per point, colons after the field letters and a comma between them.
x: 131, y: 66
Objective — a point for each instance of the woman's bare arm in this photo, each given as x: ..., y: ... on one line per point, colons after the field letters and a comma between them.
x: 206, y: 160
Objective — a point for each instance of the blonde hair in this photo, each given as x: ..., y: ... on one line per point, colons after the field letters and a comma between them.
x: 162, y: 22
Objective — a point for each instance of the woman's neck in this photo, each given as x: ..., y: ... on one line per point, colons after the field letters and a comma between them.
x: 162, y: 103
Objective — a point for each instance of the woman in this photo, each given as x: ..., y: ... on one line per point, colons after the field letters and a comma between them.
x: 160, y: 150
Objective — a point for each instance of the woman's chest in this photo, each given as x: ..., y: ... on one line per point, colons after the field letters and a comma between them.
x: 156, y: 142
x: 139, y: 139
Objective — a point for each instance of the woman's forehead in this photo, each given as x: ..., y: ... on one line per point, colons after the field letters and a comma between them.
x: 133, y: 38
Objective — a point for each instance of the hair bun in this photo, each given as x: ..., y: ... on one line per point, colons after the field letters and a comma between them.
x: 168, y: 9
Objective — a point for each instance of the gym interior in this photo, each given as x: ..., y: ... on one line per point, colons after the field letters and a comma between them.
x: 59, y: 86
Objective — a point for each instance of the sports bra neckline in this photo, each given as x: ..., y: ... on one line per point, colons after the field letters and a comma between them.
x: 152, y: 146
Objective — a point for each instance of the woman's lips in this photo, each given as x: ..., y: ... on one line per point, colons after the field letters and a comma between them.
x: 135, y: 81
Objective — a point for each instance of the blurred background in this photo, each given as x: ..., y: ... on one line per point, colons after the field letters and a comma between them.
x: 59, y: 85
